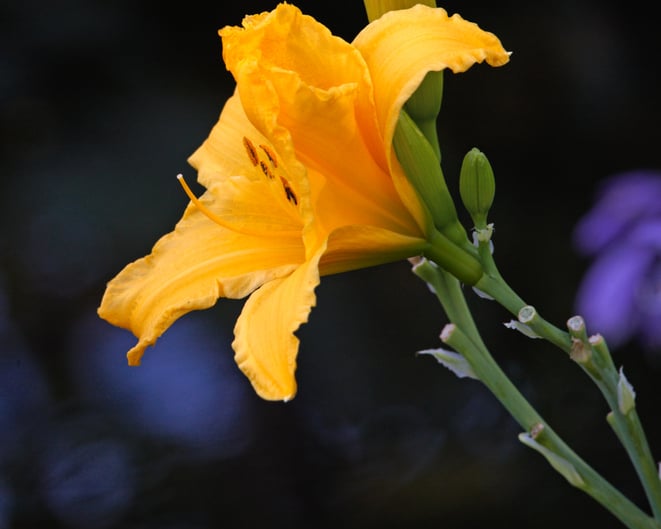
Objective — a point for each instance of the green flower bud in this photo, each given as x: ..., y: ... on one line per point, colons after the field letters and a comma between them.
x: 376, y: 8
x: 423, y: 170
x: 424, y: 105
x: 477, y: 186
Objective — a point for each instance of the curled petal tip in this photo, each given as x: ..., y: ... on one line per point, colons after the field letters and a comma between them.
x: 134, y: 356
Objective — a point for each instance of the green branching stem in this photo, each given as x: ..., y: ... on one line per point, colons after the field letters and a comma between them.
x: 465, y: 338
x: 603, y: 373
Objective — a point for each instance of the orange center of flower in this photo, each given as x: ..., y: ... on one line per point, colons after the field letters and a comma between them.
x: 267, y: 164
x: 267, y: 168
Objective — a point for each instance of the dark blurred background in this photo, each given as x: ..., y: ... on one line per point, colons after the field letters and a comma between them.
x: 101, y: 102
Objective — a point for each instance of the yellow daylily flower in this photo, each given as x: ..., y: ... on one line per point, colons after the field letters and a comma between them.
x: 301, y: 180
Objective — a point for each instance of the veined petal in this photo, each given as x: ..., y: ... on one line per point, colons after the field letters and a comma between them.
x: 265, y: 344
x: 253, y: 189
x: 402, y: 46
x: 288, y: 41
x: 328, y: 141
x: 301, y: 86
x: 353, y: 247
x: 255, y: 208
x: 189, y: 269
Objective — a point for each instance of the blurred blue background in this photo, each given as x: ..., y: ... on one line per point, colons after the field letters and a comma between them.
x: 100, y: 105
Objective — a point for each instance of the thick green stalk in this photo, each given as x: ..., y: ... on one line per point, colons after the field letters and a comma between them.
x: 468, y: 342
x: 493, y: 285
x: 461, y: 262
x: 628, y: 427
x: 592, y: 354
x: 630, y: 432
x: 623, y: 417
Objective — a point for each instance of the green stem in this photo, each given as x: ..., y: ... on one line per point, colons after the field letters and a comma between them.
x: 628, y: 428
x: 499, y: 290
x: 630, y: 432
x: 450, y: 294
x: 461, y: 262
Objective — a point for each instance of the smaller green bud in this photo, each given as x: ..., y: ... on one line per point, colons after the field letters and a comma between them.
x: 477, y: 186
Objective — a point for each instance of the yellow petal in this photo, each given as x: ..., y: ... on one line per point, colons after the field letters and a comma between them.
x: 189, y: 269
x: 224, y: 152
x: 295, y: 50
x: 253, y: 188
x: 304, y: 88
x: 353, y: 247
x: 402, y: 46
x: 265, y: 344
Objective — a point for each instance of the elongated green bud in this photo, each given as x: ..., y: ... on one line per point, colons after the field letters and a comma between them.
x: 477, y: 186
x: 376, y: 8
x: 424, y: 105
x: 423, y: 170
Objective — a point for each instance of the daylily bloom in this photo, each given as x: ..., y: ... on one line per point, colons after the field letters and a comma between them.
x: 301, y: 180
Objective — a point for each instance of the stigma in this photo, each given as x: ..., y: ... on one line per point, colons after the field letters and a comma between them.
x: 210, y: 214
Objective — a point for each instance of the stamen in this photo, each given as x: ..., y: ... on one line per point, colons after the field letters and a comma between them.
x: 289, y: 192
x: 266, y: 170
x: 221, y: 222
x: 270, y: 155
x: 210, y: 214
x: 250, y: 149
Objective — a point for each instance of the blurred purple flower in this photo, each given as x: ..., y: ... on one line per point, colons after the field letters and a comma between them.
x: 620, y: 295
x: 192, y: 395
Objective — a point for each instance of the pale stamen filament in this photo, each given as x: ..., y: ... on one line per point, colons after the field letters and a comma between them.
x: 212, y: 216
